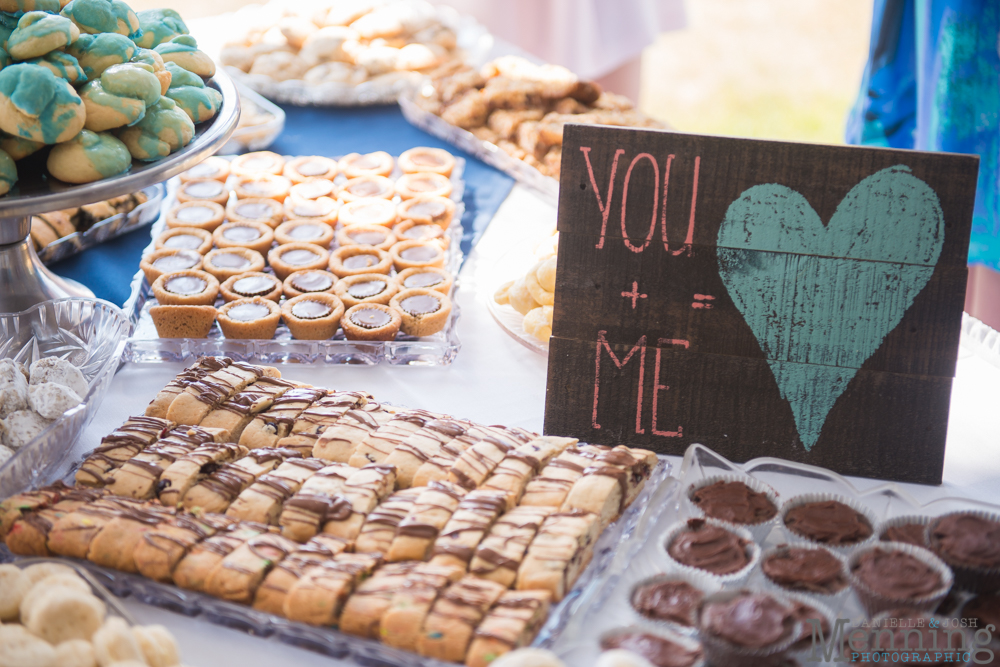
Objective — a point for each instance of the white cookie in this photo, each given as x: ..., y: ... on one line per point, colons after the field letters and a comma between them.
x: 621, y: 658
x: 13, y: 396
x: 336, y: 72
x: 51, y: 400
x: 13, y: 585
x: 20, y: 648
x: 21, y: 427
x: 327, y: 44
x: 280, y: 66
x: 528, y: 657
x: 75, y: 653
x: 60, y: 371
x: 378, y: 59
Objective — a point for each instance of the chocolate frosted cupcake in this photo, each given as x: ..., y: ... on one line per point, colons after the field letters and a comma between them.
x: 424, y: 312
x: 832, y: 521
x: 738, y: 500
x: 905, y: 529
x: 709, y: 546
x: 366, y: 288
x: 185, y: 238
x: 249, y: 318
x: 205, y: 215
x: 186, y: 288
x: 291, y: 257
x: 224, y: 263
x: 432, y: 277
x: 985, y: 610
x: 893, y: 575
x: 745, y: 628
x: 304, y: 231
x: 254, y: 283
x: 808, y: 613
x: 253, y: 235
x: 661, y: 649
x: 370, y: 321
x: 672, y: 598
x: 969, y: 542
x: 806, y: 569
x: 312, y: 316
x: 158, y: 262
x: 309, y: 282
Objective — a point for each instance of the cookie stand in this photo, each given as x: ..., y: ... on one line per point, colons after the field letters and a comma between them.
x: 27, y: 281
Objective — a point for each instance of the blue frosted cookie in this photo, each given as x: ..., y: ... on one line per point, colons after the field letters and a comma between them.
x: 191, y: 94
x: 183, y: 50
x: 154, y: 62
x: 88, y: 157
x: 97, y: 16
x: 35, y: 104
x: 37, y: 33
x: 62, y: 65
x: 164, y: 130
x: 19, y: 147
x: 120, y: 97
x: 159, y: 26
x: 8, y: 173
x: 96, y: 53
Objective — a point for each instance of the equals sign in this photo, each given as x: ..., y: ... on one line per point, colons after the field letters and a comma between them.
x: 703, y: 301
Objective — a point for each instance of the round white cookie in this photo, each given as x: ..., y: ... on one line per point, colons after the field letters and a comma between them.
x: 76, y: 653
x: 22, y: 427
x: 13, y: 389
x: 13, y: 585
x: 60, y: 371
x: 51, y: 400
x: 20, y: 648
x: 621, y: 658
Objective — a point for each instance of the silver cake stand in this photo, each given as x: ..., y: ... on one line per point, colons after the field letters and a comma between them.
x: 24, y: 280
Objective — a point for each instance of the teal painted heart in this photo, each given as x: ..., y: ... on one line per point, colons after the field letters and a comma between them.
x: 821, y: 299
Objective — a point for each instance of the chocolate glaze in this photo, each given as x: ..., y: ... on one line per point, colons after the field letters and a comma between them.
x: 734, y: 502
x: 810, y: 570
x: 709, y: 548
x: 750, y: 620
x: 897, y: 575
x: 660, y: 651
x: 967, y: 540
x: 366, y: 288
x: 311, y: 310
x: 672, y: 600
x: 828, y: 522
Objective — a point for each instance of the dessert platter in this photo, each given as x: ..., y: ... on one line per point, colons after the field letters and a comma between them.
x: 328, y: 520
x: 524, y: 296
x: 362, y: 256
x: 510, y: 114
x: 790, y: 542
x: 344, y: 53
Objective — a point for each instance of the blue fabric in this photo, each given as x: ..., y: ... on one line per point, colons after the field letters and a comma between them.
x: 933, y: 83
x: 108, y: 269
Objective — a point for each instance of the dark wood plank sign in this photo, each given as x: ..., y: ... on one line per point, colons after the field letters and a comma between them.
x: 760, y: 298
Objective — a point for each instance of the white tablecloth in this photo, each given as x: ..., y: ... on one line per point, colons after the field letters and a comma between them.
x: 497, y: 380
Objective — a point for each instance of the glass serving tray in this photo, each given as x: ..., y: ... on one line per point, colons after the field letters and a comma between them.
x: 606, y: 607
x: 145, y: 346
x: 259, y: 136
x: 624, y: 537
x: 122, y: 223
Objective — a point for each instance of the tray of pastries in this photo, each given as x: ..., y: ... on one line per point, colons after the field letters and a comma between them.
x: 344, y: 53
x: 371, y: 532
x: 61, y: 234
x: 271, y: 258
x: 510, y: 113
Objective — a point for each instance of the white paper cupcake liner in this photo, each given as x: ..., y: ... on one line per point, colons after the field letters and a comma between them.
x: 918, y: 519
x: 807, y: 498
x: 720, y: 652
x: 687, y: 642
x: 835, y: 600
x: 875, y: 602
x: 759, y: 531
x: 703, y: 581
x: 804, y: 642
x: 979, y: 580
x: 752, y: 551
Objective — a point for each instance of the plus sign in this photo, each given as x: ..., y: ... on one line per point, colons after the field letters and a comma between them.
x: 635, y: 295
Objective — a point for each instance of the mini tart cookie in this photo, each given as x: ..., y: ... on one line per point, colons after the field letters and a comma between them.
x: 366, y: 288
x: 422, y: 158
x: 182, y: 321
x: 159, y: 262
x: 185, y: 238
x: 371, y: 235
x: 370, y: 321
x: 224, y: 263
x: 367, y: 186
x: 255, y: 317
x: 253, y: 235
x: 379, y: 163
x: 186, y: 288
x: 199, y: 213
x: 267, y: 186
x: 409, y: 186
x: 288, y: 258
x: 352, y: 260
x: 423, y: 311
x: 323, y: 210
x: 314, y: 188
x: 428, y: 209
x: 310, y: 166
x: 309, y: 282
x: 416, y: 255
x: 213, y: 167
x: 368, y: 211
x: 312, y: 316
x: 304, y: 231
x: 430, y: 277
x: 411, y: 230
x: 255, y: 209
x: 203, y: 188
x: 255, y: 164
x: 251, y: 284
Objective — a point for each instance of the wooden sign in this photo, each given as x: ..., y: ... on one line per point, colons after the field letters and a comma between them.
x: 760, y: 298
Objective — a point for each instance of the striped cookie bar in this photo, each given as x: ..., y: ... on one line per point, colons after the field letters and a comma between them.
x: 188, y: 470
x: 271, y: 593
x: 421, y: 446
x: 475, y: 515
x: 161, y: 548
x: 453, y: 619
x: 513, y: 622
x: 238, y: 575
x: 114, y: 545
x: 29, y: 530
x: 478, y: 461
x: 512, y: 475
x: 430, y: 513
x: 276, y: 422
x: 237, y: 411
x: 318, y: 417
x: 15, y: 507
x: 319, y: 594
x: 363, y: 491
x: 380, y: 527
x: 382, y: 442
x: 362, y: 614
x: 436, y: 468
x: 303, y: 515
x: 161, y: 402
x: 194, y: 568
x: 263, y: 500
x: 559, y: 553
x: 552, y: 484
x: 215, y: 492
x: 403, y: 620
x: 499, y: 555
x: 117, y: 447
x: 72, y: 533
x: 612, y: 481
x: 338, y: 442
x: 202, y: 396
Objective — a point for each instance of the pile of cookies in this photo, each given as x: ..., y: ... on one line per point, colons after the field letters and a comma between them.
x: 533, y: 295
x: 51, y: 618
x: 48, y: 228
x: 33, y: 397
x: 323, y: 245
x: 522, y: 107
x: 100, y: 84
x: 427, y: 532
x: 343, y: 42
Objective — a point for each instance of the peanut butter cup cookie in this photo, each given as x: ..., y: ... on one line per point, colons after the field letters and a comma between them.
x: 370, y: 321
x: 354, y: 259
x: 256, y: 209
x: 255, y: 317
x: 312, y: 316
x: 291, y: 257
x: 159, y: 262
x: 248, y: 285
x: 423, y: 311
x: 185, y: 238
x: 310, y: 166
x: 203, y: 188
x: 186, y: 288
x: 253, y: 235
x: 309, y: 282
x: 304, y: 231
x: 202, y: 214
x: 366, y: 288
x: 373, y: 235
x: 223, y: 263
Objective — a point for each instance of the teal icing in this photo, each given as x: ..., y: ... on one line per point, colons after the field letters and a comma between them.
x: 97, y: 16
x: 96, y: 51
x: 34, y: 25
x: 164, y: 129
x: 159, y: 26
x: 198, y: 103
x: 95, y: 93
x: 38, y: 5
x: 182, y: 77
x: 5, y: 34
x: 37, y: 92
x: 62, y: 65
x: 179, y: 44
x: 8, y: 20
x: 8, y: 170
x: 108, y: 155
x: 132, y: 80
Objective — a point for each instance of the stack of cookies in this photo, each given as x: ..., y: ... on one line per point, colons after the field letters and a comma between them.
x: 48, y: 228
x: 357, y: 245
x: 427, y: 532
